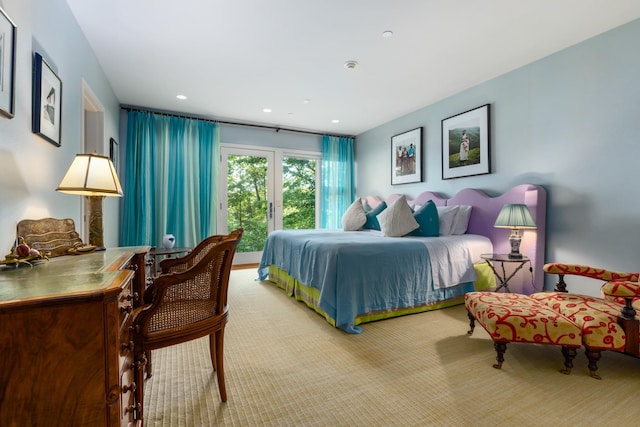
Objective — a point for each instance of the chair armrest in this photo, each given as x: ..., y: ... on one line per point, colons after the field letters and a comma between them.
x: 588, y: 271
x: 621, y: 288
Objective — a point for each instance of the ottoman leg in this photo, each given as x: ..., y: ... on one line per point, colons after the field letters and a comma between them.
x: 501, y: 348
x: 569, y: 354
x: 593, y: 357
x: 472, y: 323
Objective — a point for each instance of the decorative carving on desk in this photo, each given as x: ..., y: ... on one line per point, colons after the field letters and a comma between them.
x: 56, y: 236
x: 50, y: 234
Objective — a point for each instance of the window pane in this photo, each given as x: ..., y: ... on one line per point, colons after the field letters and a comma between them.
x: 298, y: 193
x: 247, y: 200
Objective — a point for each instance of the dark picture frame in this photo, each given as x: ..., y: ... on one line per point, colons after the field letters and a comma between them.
x: 406, y: 157
x: 8, y: 37
x: 466, y: 144
x: 47, y: 101
x: 114, y: 155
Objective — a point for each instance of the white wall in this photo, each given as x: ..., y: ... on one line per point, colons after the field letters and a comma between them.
x: 569, y: 122
x: 31, y: 167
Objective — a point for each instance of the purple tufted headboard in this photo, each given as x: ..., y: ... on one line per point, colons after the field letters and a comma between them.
x: 483, y: 216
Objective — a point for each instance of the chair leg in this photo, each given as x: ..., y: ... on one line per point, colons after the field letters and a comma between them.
x: 217, y: 355
x: 212, y: 350
x: 472, y: 323
x: 593, y: 356
x: 501, y: 348
x: 569, y: 354
x: 147, y: 368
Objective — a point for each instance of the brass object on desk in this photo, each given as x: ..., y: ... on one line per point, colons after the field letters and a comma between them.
x: 23, y: 255
x: 52, y: 235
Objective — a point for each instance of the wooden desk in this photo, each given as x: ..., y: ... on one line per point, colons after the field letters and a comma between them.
x: 65, y: 358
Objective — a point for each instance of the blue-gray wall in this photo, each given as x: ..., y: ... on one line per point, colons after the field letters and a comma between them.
x: 569, y: 122
x: 31, y: 167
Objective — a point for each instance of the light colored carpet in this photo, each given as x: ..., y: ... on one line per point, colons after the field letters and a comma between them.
x: 286, y: 366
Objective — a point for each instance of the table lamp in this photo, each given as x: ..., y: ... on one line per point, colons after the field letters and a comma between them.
x: 93, y: 176
x: 515, y: 217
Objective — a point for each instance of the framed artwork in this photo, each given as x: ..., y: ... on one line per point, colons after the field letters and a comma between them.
x: 47, y: 101
x: 406, y: 157
x: 8, y: 33
x: 113, y: 153
x: 465, y: 144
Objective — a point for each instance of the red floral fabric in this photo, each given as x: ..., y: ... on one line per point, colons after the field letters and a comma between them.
x: 587, y: 271
x: 622, y: 288
x: 597, y: 317
x: 517, y: 318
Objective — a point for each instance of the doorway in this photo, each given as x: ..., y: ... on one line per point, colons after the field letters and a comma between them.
x: 262, y: 190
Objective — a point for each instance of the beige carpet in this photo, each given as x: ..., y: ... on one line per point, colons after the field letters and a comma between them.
x: 286, y: 366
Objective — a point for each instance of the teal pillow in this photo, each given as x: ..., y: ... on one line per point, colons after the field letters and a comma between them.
x: 372, y: 222
x: 427, y: 218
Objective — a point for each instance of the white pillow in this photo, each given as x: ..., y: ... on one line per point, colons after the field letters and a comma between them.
x: 461, y: 221
x: 354, y: 217
x: 397, y: 220
x: 446, y: 217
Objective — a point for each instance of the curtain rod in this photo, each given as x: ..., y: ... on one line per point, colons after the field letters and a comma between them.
x: 224, y: 122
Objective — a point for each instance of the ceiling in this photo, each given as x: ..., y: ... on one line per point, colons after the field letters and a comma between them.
x: 234, y: 58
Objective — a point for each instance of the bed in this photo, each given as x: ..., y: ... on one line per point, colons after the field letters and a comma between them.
x: 355, y: 277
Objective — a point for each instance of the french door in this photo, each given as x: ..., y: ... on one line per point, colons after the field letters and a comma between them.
x: 262, y: 190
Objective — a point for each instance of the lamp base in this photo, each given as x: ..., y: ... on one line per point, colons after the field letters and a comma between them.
x: 95, y: 222
x: 514, y: 242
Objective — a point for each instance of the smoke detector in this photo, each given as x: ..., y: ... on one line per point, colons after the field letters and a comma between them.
x: 350, y: 65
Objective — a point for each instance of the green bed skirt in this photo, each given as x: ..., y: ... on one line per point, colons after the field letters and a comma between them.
x: 309, y: 295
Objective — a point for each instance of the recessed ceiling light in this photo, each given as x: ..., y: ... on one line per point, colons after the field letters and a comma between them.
x: 335, y: 121
x: 387, y: 34
x: 266, y: 110
x: 181, y: 97
x: 307, y: 100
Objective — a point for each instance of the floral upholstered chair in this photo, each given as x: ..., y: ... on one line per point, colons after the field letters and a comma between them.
x: 608, y: 323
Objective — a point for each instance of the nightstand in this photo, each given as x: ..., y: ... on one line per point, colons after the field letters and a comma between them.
x: 503, y: 279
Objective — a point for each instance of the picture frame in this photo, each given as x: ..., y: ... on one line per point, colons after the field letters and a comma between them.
x: 114, y: 154
x: 8, y: 37
x: 470, y: 128
x: 47, y: 101
x: 406, y: 157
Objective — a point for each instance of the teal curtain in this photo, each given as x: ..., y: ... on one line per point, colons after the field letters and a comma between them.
x: 170, y: 184
x: 338, y: 187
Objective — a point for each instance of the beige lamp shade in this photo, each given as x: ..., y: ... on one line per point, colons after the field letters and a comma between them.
x: 91, y: 175
x: 95, y: 177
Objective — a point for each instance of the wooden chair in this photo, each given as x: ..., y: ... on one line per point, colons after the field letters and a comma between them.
x: 187, y: 301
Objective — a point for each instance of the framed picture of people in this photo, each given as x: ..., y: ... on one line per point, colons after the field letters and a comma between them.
x: 47, y: 101
x: 406, y: 157
x: 465, y: 144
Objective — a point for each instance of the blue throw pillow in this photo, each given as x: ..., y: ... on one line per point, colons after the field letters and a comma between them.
x: 427, y: 218
x: 372, y: 222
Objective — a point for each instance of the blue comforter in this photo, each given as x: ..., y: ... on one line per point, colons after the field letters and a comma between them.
x: 355, y: 272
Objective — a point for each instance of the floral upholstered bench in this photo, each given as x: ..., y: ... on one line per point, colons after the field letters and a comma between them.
x: 608, y: 323
x: 511, y: 317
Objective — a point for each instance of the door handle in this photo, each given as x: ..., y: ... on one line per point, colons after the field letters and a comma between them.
x: 270, y: 210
